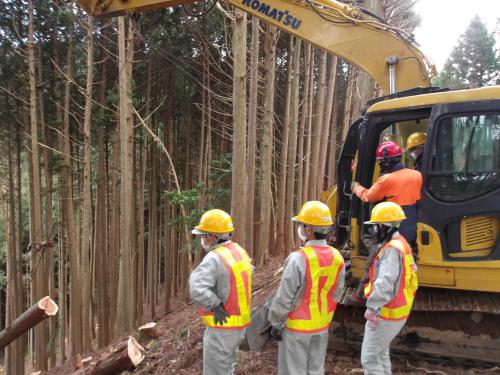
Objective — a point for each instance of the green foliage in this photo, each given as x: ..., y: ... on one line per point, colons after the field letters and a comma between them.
x: 216, y: 196
x: 189, y: 199
x: 473, y: 62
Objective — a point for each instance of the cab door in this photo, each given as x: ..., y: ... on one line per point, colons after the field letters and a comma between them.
x: 460, y: 204
x: 345, y: 167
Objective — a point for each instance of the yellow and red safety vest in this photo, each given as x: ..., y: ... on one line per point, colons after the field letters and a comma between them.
x: 399, y: 307
x: 238, y: 303
x: 315, y: 310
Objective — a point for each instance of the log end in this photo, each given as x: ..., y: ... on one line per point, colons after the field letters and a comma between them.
x: 136, y: 352
x: 149, y: 331
x: 49, y: 307
x: 147, y: 326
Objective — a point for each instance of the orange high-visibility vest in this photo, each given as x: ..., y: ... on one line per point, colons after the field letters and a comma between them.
x: 315, y: 310
x: 238, y: 303
x: 399, y: 307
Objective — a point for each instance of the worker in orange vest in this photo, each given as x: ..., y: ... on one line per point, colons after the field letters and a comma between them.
x: 415, y: 146
x: 221, y: 288
x: 311, y: 284
x: 390, y: 290
x: 395, y: 184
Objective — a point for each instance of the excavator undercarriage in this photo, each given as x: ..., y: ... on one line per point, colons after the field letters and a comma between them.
x: 445, y: 326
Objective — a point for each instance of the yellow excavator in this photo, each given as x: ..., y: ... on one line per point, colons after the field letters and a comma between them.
x: 457, y: 308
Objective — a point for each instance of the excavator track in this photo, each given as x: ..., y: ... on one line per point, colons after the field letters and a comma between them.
x: 459, y: 327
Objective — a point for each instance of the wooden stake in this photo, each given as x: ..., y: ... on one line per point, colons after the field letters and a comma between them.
x: 40, y: 311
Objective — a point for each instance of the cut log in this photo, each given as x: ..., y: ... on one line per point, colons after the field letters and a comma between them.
x: 40, y: 311
x: 259, y: 332
x: 147, y: 333
x: 124, y: 357
x: 86, y: 360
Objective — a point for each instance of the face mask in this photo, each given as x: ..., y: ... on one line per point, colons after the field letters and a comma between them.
x: 302, y: 233
x: 205, y: 246
x: 414, y: 155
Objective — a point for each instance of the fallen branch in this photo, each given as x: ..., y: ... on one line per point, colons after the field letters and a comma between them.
x: 486, y: 370
x: 122, y: 358
x: 426, y: 371
x: 40, y: 311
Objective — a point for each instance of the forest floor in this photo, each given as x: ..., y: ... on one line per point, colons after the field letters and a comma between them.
x: 179, y: 348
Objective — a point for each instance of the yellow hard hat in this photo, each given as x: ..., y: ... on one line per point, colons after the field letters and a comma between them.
x: 214, y: 221
x: 386, y: 212
x: 314, y: 213
x: 416, y: 139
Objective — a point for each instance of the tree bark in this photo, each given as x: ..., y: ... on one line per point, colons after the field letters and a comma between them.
x: 306, y: 193
x: 40, y: 311
x: 283, y: 158
x: 124, y: 319
x: 252, y: 134
x: 101, y: 222
x: 301, y: 185
x: 87, y: 197
x: 114, y: 234
x: 35, y: 205
x: 239, y: 175
x: 349, y: 96
x: 67, y: 213
x: 267, y: 143
x: 317, y: 129
x: 292, y: 153
x: 334, y: 144
x: 48, y: 266
x: 326, y: 138
x: 153, y: 232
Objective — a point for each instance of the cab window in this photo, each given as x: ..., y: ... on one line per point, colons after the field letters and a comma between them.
x: 466, y: 158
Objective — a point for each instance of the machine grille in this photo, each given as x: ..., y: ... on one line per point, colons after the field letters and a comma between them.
x: 479, y: 232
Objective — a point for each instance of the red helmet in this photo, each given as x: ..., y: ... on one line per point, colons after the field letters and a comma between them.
x: 389, y: 149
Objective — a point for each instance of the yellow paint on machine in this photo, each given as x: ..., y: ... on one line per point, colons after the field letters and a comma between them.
x: 429, y: 100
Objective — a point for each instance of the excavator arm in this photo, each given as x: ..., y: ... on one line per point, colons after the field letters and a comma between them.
x: 387, y: 54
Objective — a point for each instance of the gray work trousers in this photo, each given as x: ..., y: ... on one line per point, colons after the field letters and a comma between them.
x: 220, y: 347
x: 302, y: 353
x: 375, y: 357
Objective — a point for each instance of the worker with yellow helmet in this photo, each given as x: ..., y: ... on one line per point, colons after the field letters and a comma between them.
x: 221, y: 288
x: 390, y: 289
x: 415, y: 146
x: 311, y: 284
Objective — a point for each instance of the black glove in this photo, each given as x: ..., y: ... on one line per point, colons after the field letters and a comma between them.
x: 220, y: 315
x: 276, y: 334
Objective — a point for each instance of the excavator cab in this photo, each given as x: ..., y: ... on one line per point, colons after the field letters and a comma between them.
x: 458, y: 230
x: 458, y: 214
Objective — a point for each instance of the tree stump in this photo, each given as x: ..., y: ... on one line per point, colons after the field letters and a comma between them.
x: 147, y: 333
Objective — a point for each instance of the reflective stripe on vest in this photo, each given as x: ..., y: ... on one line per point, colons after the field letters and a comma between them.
x: 238, y: 303
x: 400, y: 306
x: 315, y: 310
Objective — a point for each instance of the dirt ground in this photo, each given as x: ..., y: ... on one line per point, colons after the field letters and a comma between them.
x: 179, y: 348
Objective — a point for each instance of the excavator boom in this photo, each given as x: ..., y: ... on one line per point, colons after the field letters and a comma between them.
x: 386, y: 53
